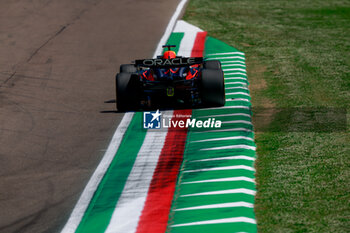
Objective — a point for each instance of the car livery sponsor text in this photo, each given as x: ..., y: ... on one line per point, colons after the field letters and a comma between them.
x: 179, y: 61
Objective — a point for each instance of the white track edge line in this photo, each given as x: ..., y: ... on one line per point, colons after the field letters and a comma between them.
x: 169, y: 28
x: 89, y: 190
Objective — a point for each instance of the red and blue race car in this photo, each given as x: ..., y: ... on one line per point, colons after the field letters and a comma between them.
x: 170, y: 81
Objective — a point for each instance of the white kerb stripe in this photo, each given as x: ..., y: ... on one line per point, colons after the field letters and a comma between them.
x: 225, y: 107
x: 233, y: 62
x: 244, y: 157
x: 228, y: 191
x: 236, y: 167
x: 233, y: 78
x: 224, y: 139
x: 238, y: 93
x: 225, y: 130
x: 239, y: 65
x: 226, y: 58
x: 237, y: 99
x: 231, y: 147
x: 131, y: 202
x: 240, y: 178
x: 217, y: 206
x: 234, y: 69
x: 85, y: 198
x: 238, y: 121
x: 225, y: 115
x: 240, y: 83
x: 232, y: 88
x: 218, y: 221
x: 169, y: 28
x: 230, y: 53
x: 236, y: 73
x: 189, y: 38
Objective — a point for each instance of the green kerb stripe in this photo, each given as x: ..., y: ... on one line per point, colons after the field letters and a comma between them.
x: 213, y: 45
x: 100, y: 210
x: 175, y: 39
x: 217, y: 168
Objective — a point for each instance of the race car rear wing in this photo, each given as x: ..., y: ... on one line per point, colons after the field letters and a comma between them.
x: 175, y: 62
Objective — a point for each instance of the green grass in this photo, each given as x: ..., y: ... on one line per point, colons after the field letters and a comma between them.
x: 298, y: 55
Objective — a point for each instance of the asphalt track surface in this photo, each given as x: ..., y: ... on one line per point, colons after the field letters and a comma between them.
x: 58, y: 60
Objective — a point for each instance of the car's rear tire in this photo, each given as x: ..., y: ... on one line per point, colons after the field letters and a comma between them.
x: 212, y: 88
x: 127, y: 92
x: 212, y: 65
x: 128, y: 68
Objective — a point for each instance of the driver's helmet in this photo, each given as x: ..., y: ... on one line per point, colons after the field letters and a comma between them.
x: 169, y: 55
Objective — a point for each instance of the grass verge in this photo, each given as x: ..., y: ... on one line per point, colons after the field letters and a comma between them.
x: 298, y: 55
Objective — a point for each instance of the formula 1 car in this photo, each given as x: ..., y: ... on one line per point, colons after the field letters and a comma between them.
x: 170, y: 81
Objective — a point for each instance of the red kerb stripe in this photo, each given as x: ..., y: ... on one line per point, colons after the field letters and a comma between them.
x: 199, y: 43
x: 154, y: 217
